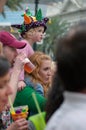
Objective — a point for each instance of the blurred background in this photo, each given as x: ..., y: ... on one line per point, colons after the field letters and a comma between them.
x: 62, y: 14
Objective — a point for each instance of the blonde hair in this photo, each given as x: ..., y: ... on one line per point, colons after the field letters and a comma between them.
x: 37, y: 59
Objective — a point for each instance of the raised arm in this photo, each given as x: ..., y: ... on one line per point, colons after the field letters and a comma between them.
x: 18, y: 66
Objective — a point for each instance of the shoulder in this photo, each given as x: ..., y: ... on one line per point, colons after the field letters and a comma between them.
x: 71, y: 120
x: 28, y: 50
x: 39, y: 89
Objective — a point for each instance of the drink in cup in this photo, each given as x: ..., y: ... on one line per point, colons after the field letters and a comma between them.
x: 28, y: 67
x: 19, y: 112
x: 38, y: 120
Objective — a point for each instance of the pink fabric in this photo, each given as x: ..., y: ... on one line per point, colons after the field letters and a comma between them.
x: 8, y: 39
x: 28, y: 50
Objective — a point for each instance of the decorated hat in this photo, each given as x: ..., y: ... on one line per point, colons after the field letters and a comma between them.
x: 31, y: 21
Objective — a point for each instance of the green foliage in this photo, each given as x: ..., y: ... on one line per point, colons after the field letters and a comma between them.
x: 56, y: 29
x: 14, y: 4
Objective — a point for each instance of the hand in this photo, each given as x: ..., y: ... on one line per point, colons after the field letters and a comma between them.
x: 19, y: 64
x: 20, y: 124
x: 21, y: 85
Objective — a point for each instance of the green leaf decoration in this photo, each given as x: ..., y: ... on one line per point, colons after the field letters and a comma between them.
x: 22, y: 28
x: 39, y: 15
x: 27, y: 11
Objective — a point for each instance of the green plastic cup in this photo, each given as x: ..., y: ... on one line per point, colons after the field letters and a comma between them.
x: 38, y: 120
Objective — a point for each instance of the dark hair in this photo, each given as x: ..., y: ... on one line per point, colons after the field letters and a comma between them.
x: 71, y: 57
x: 55, y: 97
x: 4, y: 66
x: 71, y: 74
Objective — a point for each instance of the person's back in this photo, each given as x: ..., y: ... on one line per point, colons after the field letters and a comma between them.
x: 71, y: 114
x: 71, y: 99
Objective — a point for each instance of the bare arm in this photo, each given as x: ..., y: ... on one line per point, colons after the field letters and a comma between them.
x: 18, y: 66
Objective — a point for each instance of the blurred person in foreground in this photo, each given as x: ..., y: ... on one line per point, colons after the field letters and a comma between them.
x: 10, y: 82
x: 66, y: 106
x: 6, y: 90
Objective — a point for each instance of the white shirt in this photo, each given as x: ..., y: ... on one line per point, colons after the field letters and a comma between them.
x: 71, y: 115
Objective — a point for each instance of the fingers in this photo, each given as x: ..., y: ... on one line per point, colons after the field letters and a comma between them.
x: 19, y: 61
x: 21, y: 55
x: 21, y: 85
x: 22, y: 124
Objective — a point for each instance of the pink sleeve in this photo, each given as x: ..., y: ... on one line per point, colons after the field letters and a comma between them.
x: 28, y: 50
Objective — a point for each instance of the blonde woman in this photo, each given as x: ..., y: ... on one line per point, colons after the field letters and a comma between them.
x: 40, y: 78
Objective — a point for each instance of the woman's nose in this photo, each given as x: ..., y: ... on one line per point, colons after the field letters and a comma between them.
x: 49, y: 73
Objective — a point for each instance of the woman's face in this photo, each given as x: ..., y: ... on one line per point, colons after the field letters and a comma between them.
x: 45, y: 71
x: 5, y: 91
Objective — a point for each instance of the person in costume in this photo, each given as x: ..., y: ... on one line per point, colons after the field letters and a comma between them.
x: 33, y: 27
x: 31, y: 30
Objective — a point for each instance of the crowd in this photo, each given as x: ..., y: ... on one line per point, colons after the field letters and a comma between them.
x: 59, y: 87
x: 24, y: 84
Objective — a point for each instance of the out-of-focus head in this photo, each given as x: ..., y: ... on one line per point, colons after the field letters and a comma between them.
x: 5, y: 89
x: 31, y: 21
x: 2, y: 3
x: 71, y: 58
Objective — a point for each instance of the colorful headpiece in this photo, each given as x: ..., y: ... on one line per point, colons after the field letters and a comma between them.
x: 31, y: 21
